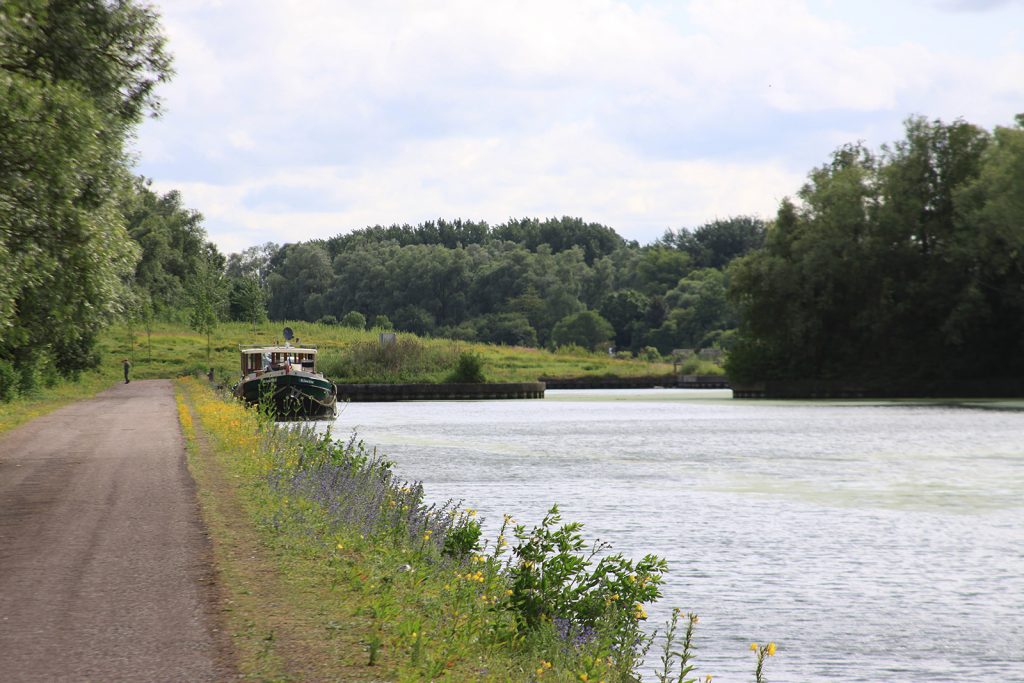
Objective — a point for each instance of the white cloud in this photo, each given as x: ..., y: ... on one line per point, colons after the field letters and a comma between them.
x: 641, y: 116
x: 494, y: 180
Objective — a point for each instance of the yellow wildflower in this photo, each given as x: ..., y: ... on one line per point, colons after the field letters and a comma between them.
x: 341, y: 546
x: 753, y: 646
x: 584, y: 677
x: 771, y: 649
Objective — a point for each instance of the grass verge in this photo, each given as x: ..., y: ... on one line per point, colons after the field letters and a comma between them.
x: 334, y: 570
x: 285, y: 616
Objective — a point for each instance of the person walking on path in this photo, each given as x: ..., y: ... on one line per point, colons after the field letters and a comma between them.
x: 127, y: 367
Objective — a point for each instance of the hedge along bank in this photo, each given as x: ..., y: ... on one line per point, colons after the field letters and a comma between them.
x: 430, y: 598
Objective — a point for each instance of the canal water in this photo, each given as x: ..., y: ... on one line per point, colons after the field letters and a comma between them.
x: 870, y: 541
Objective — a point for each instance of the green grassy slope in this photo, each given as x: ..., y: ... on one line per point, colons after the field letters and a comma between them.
x: 171, y: 350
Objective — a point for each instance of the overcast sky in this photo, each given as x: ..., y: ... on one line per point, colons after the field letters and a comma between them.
x: 295, y: 119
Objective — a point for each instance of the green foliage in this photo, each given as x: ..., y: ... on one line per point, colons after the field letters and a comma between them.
x: 298, y: 282
x: 355, y: 320
x: 510, y: 284
x: 695, y: 366
x: 208, y: 298
x: 586, y: 328
x: 513, y: 329
x: 469, y: 369
x: 9, y: 381
x: 383, y: 323
x: 593, y: 597
x: 247, y: 299
x: 562, y: 234
x: 651, y: 354
x: 173, y: 248
x: 906, y: 265
x: 625, y: 310
x: 575, y: 351
x: 660, y: 268
x: 463, y: 538
x: 716, y: 244
x: 406, y: 360
x: 75, y: 78
x: 697, y: 307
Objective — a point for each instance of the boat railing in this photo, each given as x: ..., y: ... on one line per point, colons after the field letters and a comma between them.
x: 267, y: 347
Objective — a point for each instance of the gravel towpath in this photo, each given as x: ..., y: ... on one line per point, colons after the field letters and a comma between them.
x: 105, y: 571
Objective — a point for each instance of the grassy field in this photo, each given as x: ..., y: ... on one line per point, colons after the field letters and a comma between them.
x: 347, y: 355
x: 170, y: 350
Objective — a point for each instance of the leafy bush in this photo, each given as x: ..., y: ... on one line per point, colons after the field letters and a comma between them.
x: 328, y: 320
x: 382, y: 322
x: 650, y: 354
x: 9, y: 381
x: 28, y: 378
x: 553, y: 576
x: 469, y: 369
x: 696, y: 366
x: 405, y: 360
x: 463, y: 538
x: 586, y: 328
x: 355, y: 320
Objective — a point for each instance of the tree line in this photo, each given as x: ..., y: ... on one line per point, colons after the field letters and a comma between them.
x: 529, y: 282
x: 899, y: 266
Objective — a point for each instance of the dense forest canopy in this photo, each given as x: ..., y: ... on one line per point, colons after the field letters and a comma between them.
x: 515, y: 282
x: 904, y: 265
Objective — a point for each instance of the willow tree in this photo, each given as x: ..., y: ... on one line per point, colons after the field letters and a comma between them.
x: 76, y: 78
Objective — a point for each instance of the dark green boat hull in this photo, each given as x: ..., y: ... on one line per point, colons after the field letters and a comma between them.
x: 295, y: 395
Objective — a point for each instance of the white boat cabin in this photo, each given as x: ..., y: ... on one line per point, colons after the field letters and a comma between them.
x: 265, y: 359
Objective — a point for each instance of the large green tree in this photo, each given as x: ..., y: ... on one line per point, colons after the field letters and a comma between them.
x: 75, y: 79
x: 586, y: 328
x: 173, y: 246
x: 901, y: 267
